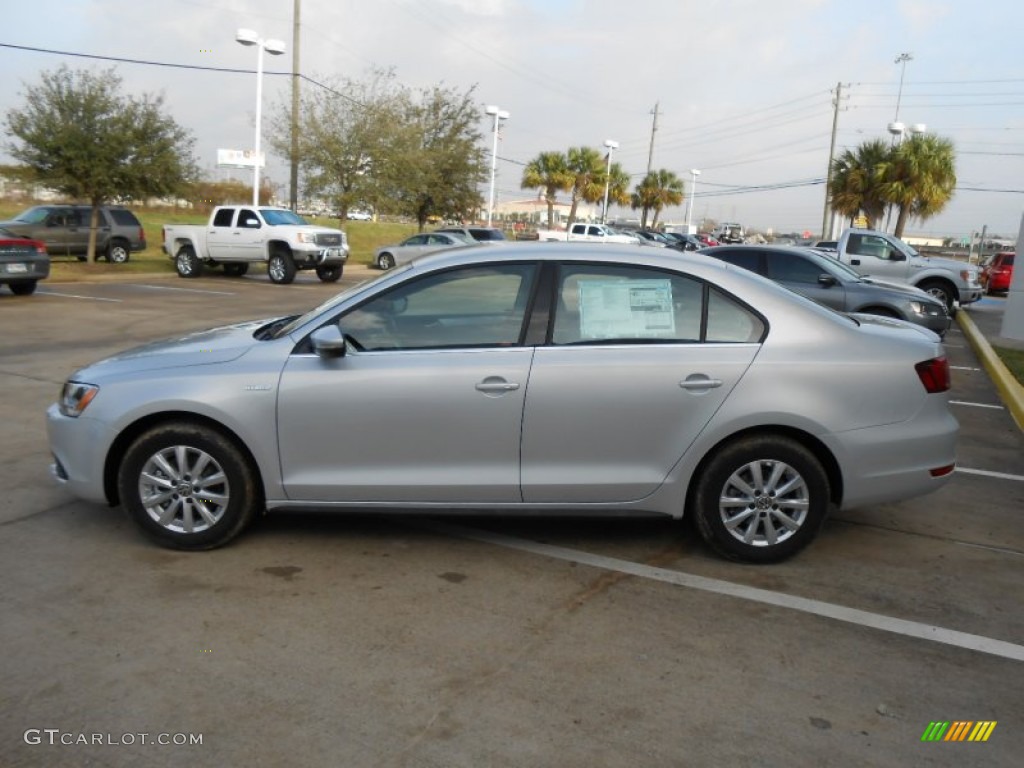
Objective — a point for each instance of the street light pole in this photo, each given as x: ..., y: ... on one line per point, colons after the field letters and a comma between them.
x: 689, y: 201
x: 274, y: 47
x: 499, y: 115
x: 612, y: 145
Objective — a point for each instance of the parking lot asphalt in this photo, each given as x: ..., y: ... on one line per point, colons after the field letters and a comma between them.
x: 443, y: 641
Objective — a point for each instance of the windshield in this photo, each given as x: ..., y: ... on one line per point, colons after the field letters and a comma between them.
x: 278, y: 216
x: 300, y: 320
x: 33, y: 215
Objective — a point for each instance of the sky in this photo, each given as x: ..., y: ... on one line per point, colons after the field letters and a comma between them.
x: 743, y: 88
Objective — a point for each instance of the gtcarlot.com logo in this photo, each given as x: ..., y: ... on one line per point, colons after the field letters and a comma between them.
x: 958, y: 730
x: 55, y: 736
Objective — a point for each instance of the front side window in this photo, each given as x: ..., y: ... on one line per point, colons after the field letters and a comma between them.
x: 792, y: 268
x: 480, y: 306
x: 872, y: 245
x: 247, y: 218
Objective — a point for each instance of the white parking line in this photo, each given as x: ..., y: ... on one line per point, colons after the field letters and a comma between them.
x: 186, y: 290
x: 815, y: 607
x: 988, y: 473
x: 76, y: 296
x: 963, y: 368
x: 977, y: 405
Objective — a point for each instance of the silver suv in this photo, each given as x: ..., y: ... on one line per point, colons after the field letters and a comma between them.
x: 65, y: 230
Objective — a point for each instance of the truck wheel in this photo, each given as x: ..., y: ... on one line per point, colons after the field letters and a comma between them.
x: 281, y: 268
x: 761, y: 499
x: 386, y: 261
x: 23, y: 289
x: 118, y: 252
x: 941, y: 290
x: 187, y: 263
x: 236, y: 270
x: 188, y: 486
x: 329, y: 273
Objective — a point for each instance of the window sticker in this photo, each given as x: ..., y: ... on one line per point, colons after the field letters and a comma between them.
x: 626, y: 309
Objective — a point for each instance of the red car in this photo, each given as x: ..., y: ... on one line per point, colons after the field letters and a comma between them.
x: 23, y: 263
x: 997, y: 274
x: 708, y: 240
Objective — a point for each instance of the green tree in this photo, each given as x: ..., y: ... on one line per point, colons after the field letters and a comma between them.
x: 80, y: 135
x: 857, y: 181
x: 549, y: 172
x: 586, y: 171
x: 919, y: 178
x: 618, y: 186
x: 658, y: 190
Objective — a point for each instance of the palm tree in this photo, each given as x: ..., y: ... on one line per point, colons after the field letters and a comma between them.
x: 919, y: 178
x: 586, y: 168
x: 618, y: 186
x: 549, y: 172
x: 856, y: 182
x: 658, y: 190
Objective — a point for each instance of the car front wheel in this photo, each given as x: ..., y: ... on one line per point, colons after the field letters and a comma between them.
x: 281, y: 268
x: 940, y: 290
x: 761, y: 499
x: 188, y: 487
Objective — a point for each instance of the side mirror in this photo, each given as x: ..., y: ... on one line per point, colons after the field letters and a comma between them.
x: 328, y: 342
x: 826, y: 281
x: 897, y: 255
x: 251, y: 223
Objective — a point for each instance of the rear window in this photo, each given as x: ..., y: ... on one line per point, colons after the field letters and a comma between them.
x: 124, y: 217
x: 1008, y: 259
x: 487, y: 234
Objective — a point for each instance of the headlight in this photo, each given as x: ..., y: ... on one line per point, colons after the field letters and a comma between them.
x: 75, y: 397
x: 918, y: 307
x: 305, y: 237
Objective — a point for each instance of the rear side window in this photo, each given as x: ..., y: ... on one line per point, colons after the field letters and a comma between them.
x: 124, y: 217
x: 792, y: 268
x: 747, y: 259
x: 223, y: 217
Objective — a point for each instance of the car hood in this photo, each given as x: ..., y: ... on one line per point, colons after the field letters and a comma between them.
x: 209, y: 347
x: 951, y: 264
x: 911, y: 291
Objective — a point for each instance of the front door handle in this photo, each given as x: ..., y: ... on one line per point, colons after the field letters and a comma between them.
x: 496, y: 385
x: 699, y: 381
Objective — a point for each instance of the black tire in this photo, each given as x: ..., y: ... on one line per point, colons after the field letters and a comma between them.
x: 236, y: 270
x: 386, y: 261
x: 940, y: 290
x: 281, y: 268
x: 756, y: 525
x: 187, y: 263
x: 118, y: 252
x: 25, y: 288
x: 188, y: 487
x: 83, y: 257
x: 329, y: 273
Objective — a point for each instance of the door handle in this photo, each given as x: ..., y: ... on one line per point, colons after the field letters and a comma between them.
x: 496, y: 384
x: 699, y: 381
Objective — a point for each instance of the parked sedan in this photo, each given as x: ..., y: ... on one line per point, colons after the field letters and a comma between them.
x: 391, y: 255
x: 835, y: 285
x: 496, y: 379
x: 23, y: 263
x: 997, y: 274
x: 685, y: 242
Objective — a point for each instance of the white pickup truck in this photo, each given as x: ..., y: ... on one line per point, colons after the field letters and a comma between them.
x: 877, y: 254
x: 238, y: 235
x: 590, y: 233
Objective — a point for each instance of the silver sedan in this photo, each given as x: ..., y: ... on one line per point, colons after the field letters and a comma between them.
x: 556, y: 377
x: 390, y: 256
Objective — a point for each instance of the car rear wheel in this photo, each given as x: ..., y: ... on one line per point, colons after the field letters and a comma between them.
x: 23, y: 289
x: 386, y: 261
x: 187, y: 263
x: 188, y: 487
x: 761, y: 499
x: 119, y: 252
x: 236, y: 270
x: 329, y: 273
x: 281, y: 268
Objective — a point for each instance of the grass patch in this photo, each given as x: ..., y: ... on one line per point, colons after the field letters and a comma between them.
x: 1014, y: 360
x: 364, y: 238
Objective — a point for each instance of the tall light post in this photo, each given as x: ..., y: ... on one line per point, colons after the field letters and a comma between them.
x: 612, y: 146
x: 689, y: 201
x: 499, y: 115
x: 276, y: 48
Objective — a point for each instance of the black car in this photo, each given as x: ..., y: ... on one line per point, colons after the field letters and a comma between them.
x: 687, y: 242
x: 65, y: 230
x: 829, y: 282
x: 23, y: 263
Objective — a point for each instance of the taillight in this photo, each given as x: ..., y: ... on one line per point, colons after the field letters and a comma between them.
x: 934, y: 374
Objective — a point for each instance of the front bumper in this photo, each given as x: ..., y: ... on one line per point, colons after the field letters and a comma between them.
x: 971, y: 295
x: 314, y: 255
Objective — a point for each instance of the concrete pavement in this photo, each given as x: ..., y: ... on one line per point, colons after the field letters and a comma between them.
x: 982, y: 324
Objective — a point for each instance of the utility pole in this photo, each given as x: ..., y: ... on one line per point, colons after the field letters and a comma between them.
x: 654, y: 130
x: 826, y: 221
x: 293, y: 185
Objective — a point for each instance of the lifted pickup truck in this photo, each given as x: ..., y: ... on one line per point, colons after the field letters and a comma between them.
x: 590, y: 233
x: 880, y: 255
x: 240, y: 235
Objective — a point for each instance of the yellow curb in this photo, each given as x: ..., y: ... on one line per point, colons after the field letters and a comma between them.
x: 1010, y: 390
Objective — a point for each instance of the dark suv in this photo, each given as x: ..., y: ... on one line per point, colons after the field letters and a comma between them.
x: 65, y: 230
